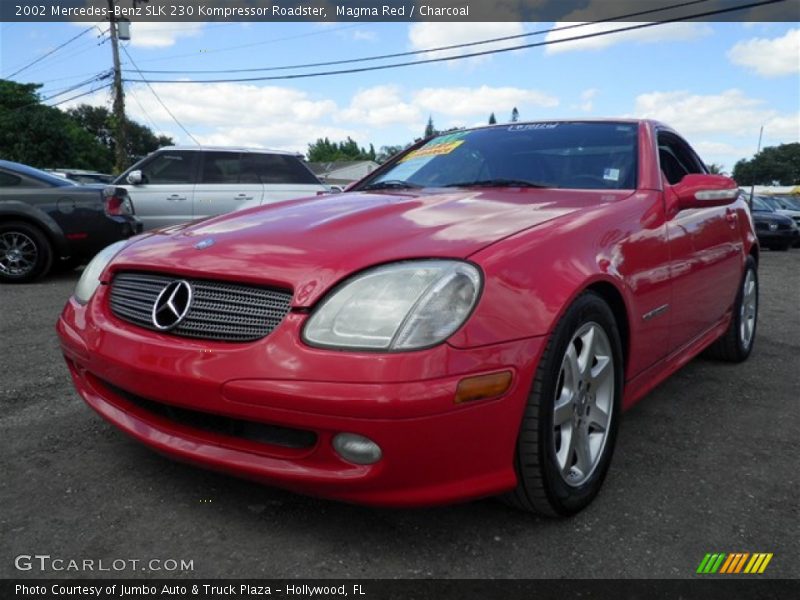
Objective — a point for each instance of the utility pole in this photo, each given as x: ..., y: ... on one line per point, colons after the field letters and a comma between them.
x: 120, y: 124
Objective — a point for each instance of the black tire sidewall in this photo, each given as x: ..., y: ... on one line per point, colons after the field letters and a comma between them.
x: 44, y: 253
x: 566, y: 499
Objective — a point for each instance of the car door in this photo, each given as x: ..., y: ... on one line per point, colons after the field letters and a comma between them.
x: 224, y: 185
x: 705, y: 249
x: 164, y: 196
x: 284, y: 176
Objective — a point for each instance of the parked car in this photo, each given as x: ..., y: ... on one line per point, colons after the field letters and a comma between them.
x: 775, y: 231
x: 469, y: 320
x: 787, y: 206
x: 82, y: 176
x: 47, y: 220
x: 177, y: 184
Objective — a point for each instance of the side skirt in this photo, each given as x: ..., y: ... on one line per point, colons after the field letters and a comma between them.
x: 646, y: 381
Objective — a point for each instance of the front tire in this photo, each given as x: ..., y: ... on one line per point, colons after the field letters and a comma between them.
x: 570, y: 423
x: 736, y: 344
x: 25, y: 253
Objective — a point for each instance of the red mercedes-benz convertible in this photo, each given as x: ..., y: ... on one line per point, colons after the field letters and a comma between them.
x: 470, y: 320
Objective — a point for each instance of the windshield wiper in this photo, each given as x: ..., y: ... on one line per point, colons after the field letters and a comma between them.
x: 391, y: 184
x: 500, y: 182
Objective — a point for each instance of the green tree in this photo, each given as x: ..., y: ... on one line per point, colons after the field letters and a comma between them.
x: 715, y: 169
x: 97, y: 120
x: 429, y: 128
x: 43, y: 136
x: 492, y: 119
x: 774, y: 165
x: 514, y: 115
x: 387, y: 152
x: 324, y: 150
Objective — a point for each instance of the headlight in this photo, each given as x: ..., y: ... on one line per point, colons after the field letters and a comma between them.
x: 90, y: 278
x: 400, y: 306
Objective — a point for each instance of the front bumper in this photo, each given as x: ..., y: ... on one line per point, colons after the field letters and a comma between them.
x: 779, y: 236
x: 434, y: 451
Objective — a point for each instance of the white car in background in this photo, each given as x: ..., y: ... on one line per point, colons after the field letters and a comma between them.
x: 177, y: 184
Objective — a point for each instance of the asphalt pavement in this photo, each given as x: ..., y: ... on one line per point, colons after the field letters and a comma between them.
x: 708, y: 462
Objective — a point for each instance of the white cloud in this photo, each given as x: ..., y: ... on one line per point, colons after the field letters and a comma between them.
x: 435, y: 34
x: 673, y: 32
x: 235, y: 114
x: 722, y: 127
x: 146, y: 34
x: 278, y: 135
x: 769, y: 57
x: 587, y: 99
x: 226, y: 104
x: 783, y: 127
x: 380, y: 106
x: 729, y: 112
x: 465, y: 102
x: 365, y: 35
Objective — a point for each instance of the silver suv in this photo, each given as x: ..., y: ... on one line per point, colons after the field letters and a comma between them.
x: 176, y: 184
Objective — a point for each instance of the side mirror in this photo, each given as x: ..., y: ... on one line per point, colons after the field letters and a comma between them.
x: 703, y: 191
x: 335, y: 189
x: 134, y: 177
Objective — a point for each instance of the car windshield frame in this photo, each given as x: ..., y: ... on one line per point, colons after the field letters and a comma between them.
x: 580, y: 155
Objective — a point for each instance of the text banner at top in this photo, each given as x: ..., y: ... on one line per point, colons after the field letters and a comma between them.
x: 399, y: 10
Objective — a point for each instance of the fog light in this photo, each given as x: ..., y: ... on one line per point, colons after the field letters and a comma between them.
x: 357, y: 449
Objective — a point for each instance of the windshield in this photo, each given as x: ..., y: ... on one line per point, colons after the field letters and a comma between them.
x: 760, y: 204
x: 771, y: 202
x: 788, y: 203
x: 559, y: 155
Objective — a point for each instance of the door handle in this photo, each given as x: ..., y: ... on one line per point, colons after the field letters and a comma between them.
x: 174, y: 197
x: 731, y: 217
x: 242, y: 197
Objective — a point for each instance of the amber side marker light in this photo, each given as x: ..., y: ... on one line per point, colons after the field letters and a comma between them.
x: 481, y: 387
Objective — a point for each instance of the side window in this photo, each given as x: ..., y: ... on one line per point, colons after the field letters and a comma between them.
x: 677, y: 158
x: 9, y: 180
x: 221, y: 167
x: 170, y: 167
x: 275, y: 168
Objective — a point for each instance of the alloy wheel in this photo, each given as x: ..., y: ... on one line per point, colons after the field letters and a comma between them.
x: 584, y: 401
x: 748, y: 309
x: 18, y: 253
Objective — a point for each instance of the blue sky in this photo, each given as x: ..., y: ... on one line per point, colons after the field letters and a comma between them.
x: 716, y: 83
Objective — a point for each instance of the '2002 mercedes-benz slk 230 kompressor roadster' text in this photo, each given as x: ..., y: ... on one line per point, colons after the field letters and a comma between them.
x: 469, y: 320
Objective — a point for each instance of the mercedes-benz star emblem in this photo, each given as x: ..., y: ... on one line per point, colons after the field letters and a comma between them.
x: 172, y: 305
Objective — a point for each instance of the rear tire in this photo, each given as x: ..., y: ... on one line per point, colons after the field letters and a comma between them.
x: 570, y: 423
x: 736, y: 344
x: 25, y: 252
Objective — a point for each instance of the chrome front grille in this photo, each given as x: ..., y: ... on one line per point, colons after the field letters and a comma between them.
x: 219, y: 310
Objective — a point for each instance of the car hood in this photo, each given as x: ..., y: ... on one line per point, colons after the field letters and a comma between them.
x: 310, y: 244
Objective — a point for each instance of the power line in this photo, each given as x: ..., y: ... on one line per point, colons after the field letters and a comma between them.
x: 96, y: 77
x: 144, y: 112
x: 438, y: 49
x: 250, y: 45
x: 45, y: 55
x: 462, y: 56
x: 92, y: 91
x: 68, y: 56
x: 160, y: 101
